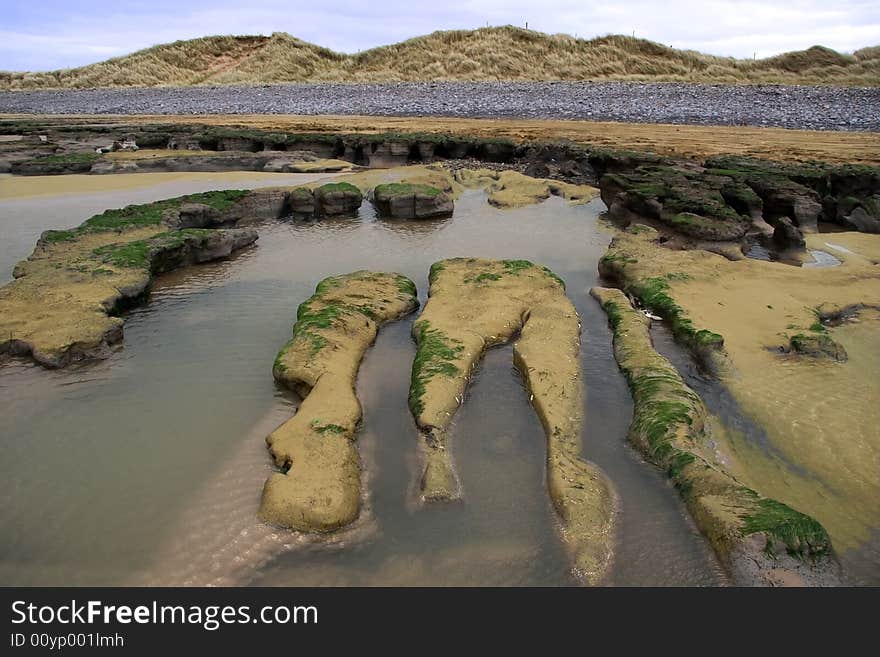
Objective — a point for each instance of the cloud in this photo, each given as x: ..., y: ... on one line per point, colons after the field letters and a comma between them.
x: 59, y: 33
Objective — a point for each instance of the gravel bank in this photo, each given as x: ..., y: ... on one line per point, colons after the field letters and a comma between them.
x: 817, y: 108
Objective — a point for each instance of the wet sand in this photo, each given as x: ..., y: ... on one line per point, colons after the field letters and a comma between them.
x: 820, y: 417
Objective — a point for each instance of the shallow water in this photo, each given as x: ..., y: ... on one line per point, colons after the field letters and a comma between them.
x: 819, y: 258
x: 861, y: 564
x: 147, y: 468
x: 29, y: 205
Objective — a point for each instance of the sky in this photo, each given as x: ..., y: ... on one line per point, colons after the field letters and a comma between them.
x: 50, y: 34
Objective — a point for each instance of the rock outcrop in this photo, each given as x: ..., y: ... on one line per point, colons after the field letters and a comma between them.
x: 712, y: 208
x: 817, y: 344
x: 475, y: 304
x: 786, y: 235
x: 412, y: 201
x: 318, y: 488
x: 759, y: 541
x: 65, y: 301
x: 808, y: 192
x: 330, y: 200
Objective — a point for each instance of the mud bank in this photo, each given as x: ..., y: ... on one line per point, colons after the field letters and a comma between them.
x: 42, y: 149
x: 319, y: 488
x: 826, y: 451
x: 760, y: 541
x: 65, y: 301
x: 695, y: 142
x: 475, y: 304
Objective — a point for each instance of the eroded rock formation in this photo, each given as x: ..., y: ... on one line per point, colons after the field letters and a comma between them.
x: 759, y: 541
x: 732, y: 197
x: 65, y: 301
x: 319, y: 487
x: 63, y: 305
x: 475, y: 304
x: 332, y: 199
x: 405, y: 200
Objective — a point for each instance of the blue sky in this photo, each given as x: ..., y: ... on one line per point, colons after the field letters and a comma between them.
x: 49, y: 34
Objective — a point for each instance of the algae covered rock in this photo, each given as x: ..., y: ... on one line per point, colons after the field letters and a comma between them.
x: 817, y: 345
x: 318, y: 487
x: 65, y: 300
x: 302, y: 203
x: 809, y: 191
x: 475, y: 304
x: 722, y: 199
x: 759, y: 541
x: 63, y: 305
x: 653, y: 292
x: 56, y: 164
x: 787, y: 236
x: 511, y: 189
x: 330, y: 200
x: 192, y: 215
x: 714, y: 208
x: 337, y: 199
x: 411, y: 201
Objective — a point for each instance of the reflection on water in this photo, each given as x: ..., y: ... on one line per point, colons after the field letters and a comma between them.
x: 821, y: 259
x: 147, y: 468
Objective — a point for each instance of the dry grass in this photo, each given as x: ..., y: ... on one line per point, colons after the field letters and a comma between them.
x: 496, y: 53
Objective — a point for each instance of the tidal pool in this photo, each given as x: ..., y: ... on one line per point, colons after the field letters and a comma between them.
x: 147, y: 468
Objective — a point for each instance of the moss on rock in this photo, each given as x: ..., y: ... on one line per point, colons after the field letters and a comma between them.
x: 63, y: 304
x: 755, y: 538
x: 318, y: 488
x: 474, y: 304
x: 404, y: 200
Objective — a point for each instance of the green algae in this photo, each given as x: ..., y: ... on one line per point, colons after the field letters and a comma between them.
x: 405, y: 189
x: 327, y: 428
x: 802, y: 536
x: 406, y: 286
x: 482, y: 278
x: 668, y: 424
x: 435, y: 357
x: 338, y: 187
x: 140, y: 216
x: 554, y: 276
x: 436, y: 268
x: 516, y: 266
x: 653, y: 293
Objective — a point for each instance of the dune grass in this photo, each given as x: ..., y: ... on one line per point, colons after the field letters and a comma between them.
x: 493, y: 53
